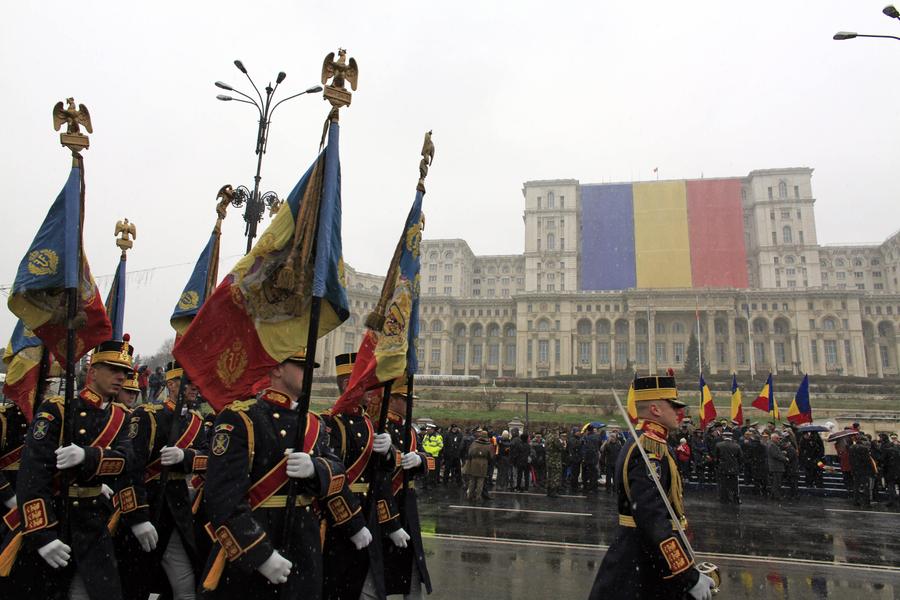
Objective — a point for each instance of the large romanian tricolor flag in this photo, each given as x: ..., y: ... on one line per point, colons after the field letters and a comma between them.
x: 54, y: 262
x: 23, y: 366
x: 737, y: 408
x: 388, y: 349
x: 766, y: 399
x: 259, y: 315
x: 707, y: 408
x: 201, y: 283
x: 800, y: 410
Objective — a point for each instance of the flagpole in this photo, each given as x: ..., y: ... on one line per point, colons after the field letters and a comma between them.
x: 750, y: 339
x: 407, y: 438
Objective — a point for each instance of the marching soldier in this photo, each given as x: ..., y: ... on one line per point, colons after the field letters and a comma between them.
x: 405, y: 571
x: 246, y: 493
x: 98, y: 456
x: 352, y: 437
x: 170, y: 541
x: 647, y: 558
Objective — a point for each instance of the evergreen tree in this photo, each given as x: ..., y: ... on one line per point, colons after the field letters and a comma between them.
x: 692, y: 358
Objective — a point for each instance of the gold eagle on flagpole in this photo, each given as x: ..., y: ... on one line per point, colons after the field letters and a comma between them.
x: 340, y: 69
x: 124, y: 230
x: 72, y: 117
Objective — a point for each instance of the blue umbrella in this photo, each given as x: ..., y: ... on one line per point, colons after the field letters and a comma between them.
x: 594, y: 424
x: 812, y: 428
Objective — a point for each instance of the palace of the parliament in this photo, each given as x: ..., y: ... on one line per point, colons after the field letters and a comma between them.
x: 614, y: 276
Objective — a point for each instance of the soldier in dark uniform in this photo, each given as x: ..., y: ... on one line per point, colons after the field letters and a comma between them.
x: 405, y: 571
x: 92, y: 464
x: 729, y: 461
x: 250, y: 463
x: 13, y: 427
x: 648, y: 560
x: 170, y: 541
x: 127, y: 397
x: 348, y: 568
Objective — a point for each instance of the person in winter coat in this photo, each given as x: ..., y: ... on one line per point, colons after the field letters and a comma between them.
x: 504, y: 461
x: 776, y: 462
x: 683, y: 455
x: 812, y: 450
x: 453, y: 440
x: 609, y: 453
x: 478, y: 457
x: 520, y: 455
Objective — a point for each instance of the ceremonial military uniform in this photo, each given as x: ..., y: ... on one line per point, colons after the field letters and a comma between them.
x: 12, y: 442
x: 100, y: 429
x: 150, y: 429
x: 647, y: 560
x: 403, y: 511
x: 246, y: 491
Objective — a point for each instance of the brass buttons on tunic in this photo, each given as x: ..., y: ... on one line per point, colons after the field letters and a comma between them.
x: 282, y: 433
x: 276, y: 415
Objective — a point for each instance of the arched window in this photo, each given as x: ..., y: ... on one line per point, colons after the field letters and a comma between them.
x: 460, y: 331
x: 477, y: 330
x: 782, y: 189
x: 437, y: 326
x: 781, y: 328
x: 760, y: 326
x: 677, y: 327
x: 660, y: 328
x: 640, y: 327
x: 510, y: 331
x: 551, y: 241
x: 603, y: 327
x: 353, y: 320
x: 829, y: 324
x: 543, y: 325
x: 493, y: 330
x: 789, y: 260
x: 433, y: 255
x: 786, y: 236
x: 584, y: 327
x: 621, y: 327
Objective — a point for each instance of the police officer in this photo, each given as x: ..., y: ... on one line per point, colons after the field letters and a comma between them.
x: 352, y: 572
x: 404, y: 557
x: 170, y: 541
x: 251, y: 459
x: 647, y: 558
x: 729, y: 459
x: 91, y: 464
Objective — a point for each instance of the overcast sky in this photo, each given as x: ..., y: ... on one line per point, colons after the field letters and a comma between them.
x: 514, y: 91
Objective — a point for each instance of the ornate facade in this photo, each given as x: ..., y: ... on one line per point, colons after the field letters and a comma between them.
x: 806, y: 307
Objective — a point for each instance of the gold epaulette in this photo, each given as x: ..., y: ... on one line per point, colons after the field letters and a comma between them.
x: 57, y: 400
x: 123, y: 407
x: 241, y: 405
x: 652, y: 446
x: 152, y: 408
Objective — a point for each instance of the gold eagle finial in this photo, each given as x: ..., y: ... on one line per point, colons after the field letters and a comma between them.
x: 339, y: 71
x: 74, y: 119
x: 427, y: 159
x: 124, y: 230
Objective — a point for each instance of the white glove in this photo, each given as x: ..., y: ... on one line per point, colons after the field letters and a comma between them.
x: 299, y: 465
x: 410, y: 460
x: 55, y: 553
x: 702, y: 590
x: 146, y: 534
x: 382, y: 443
x: 11, y: 503
x: 171, y: 455
x: 70, y: 456
x: 361, y: 538
x: 276, y: 568
x: 399, y: 537
x: 106, y: 491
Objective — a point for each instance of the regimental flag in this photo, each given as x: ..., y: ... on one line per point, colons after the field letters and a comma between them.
x: 388, y: 349
x: 259, y: 314
x: 115, y: 301
x: 766, y: 399
x: 54, y: 262
x: 200, y: 285
x: 800, y: 410
x: 707, y: 408
x: 631, y: 405
x: 737, y: 408
x: 23, y: 366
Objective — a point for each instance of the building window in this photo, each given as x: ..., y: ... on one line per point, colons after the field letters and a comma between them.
x: 831, y: 356
x: 551, y: 241
x: 448, y: 291
x: 771, y: 196
x: 584, y: 353
x: 797, y: 195
x: 621, y: 353
x: 786, y: 214
x: 460, y: 354
x: 493, y: 354
x: 885, y: 357
x: 476, y: 355
x: 603, y: 353
x: 660, y: 328
x: 786, y: 236
x: 678, y: 353
x: 538, y: 201
x: 551, y: 200
x: 814, y: 351
x: 510, y: 354
x: 530, y: 355
x: 432, y: 279
x: 848, y: 355
x: 720, y: 353
x: 800, y: 233
x: 543, y: 351
x: 436, y: 355
x: 641, y: 352
x: 759, y: 352
x: 779, y: 353
x: 782, y: 189
x: 741, y: 353
x: 774, y: 240
x: 556, y: 350
x: 660, y: 353
x: 432, y: 291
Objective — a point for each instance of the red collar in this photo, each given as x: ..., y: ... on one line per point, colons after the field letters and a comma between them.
x: 276, y: 399
x: 91, y: 397
x: 654, y: 430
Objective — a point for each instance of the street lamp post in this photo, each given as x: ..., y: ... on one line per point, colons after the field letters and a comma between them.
x: 253, y: 213
x: 889, y: 11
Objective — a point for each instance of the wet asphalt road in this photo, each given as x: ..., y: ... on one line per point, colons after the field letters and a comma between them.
x: 527, y: 546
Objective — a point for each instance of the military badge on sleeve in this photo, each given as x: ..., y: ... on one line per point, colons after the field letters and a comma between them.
x: 220, y: 443
x: 40, y: 429
x: 133, y: 428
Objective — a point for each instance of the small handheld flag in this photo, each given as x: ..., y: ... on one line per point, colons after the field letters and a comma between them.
x: 800, y: 410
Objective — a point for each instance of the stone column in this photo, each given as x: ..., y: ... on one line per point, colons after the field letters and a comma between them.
x: 468, y: 354
x: 711, y: 344
x: 593, y: 355
x: 612, y: 354
x: 732, y: 359
x: 631, y: 341
x: 879, y: 369
x: 842, y: 360
x: 651, y: 342
x: 772, y: 358
x: 795, y: 357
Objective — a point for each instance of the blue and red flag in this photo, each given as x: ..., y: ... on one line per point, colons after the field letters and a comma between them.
x: 707, y: 408
x: 54, y: 262
x: 800, y: 410
x: 200, y: 285
x: 259, y: 314
x: 388, y: 349
x: 115, y: 301
x: 766, y: 399
x: 23, y: 366
x: 737, y: 408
